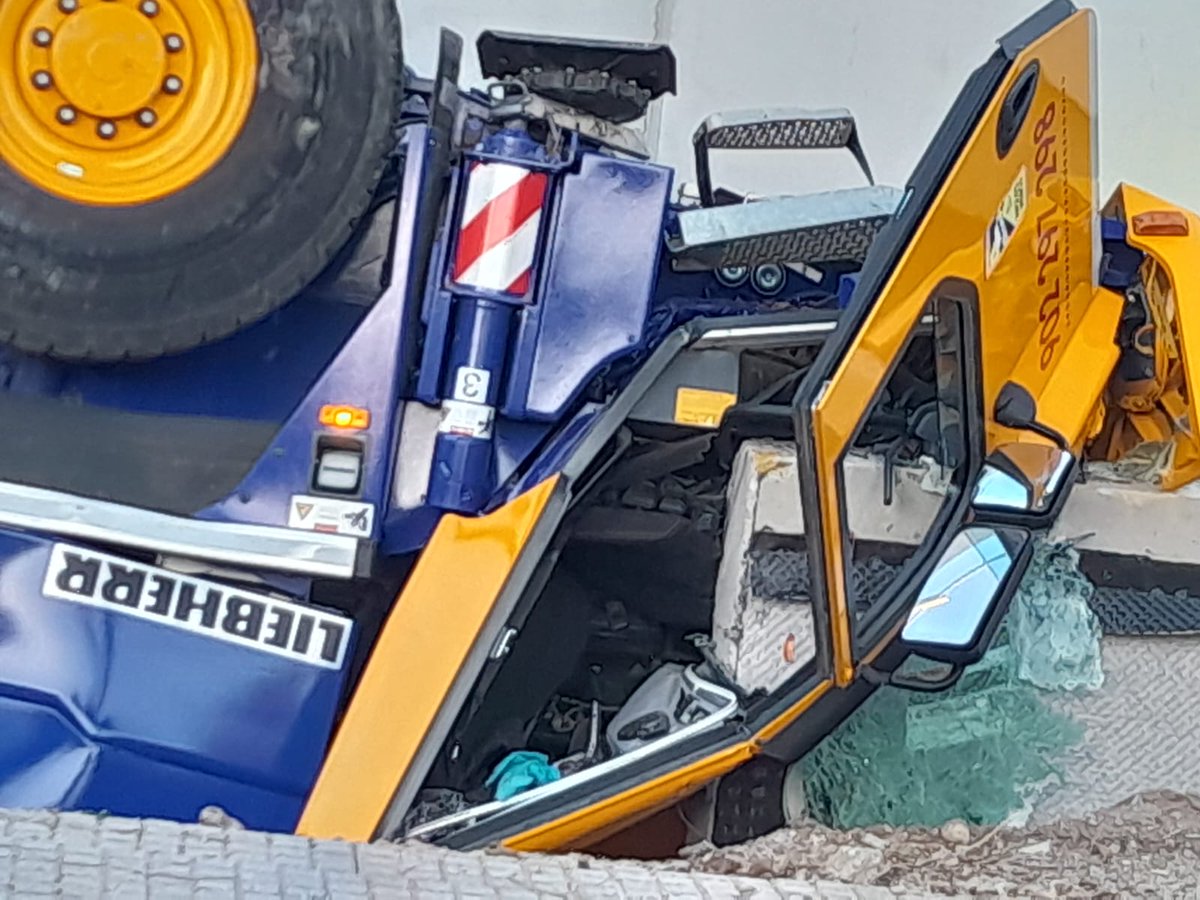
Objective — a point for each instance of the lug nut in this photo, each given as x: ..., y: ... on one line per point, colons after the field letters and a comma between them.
x: 42, y: 80
x: 42, y: 37
x: 174, y: 43
x: 106, y: 130
x: 173, y: 84
x: 149, y: 8
x: 68, y: 6
x: 147, y: 118
x: 67, y: 115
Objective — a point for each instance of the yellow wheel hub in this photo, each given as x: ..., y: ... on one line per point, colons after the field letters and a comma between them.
x: 120, y: 102
x: 108, y: 61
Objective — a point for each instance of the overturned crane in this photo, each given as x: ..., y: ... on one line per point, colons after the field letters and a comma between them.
x: 389, y: 468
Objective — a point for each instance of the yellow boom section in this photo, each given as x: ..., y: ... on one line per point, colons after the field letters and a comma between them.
x: 1158, y: 412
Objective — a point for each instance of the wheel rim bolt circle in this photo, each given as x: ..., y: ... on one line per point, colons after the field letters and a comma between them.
x: 66, y: 114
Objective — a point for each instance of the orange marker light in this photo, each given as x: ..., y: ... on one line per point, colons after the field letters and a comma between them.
x: 351, y: 417
x: 1161, y: 223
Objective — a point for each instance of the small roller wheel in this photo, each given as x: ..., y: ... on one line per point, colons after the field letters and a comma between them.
x: 173, y: 170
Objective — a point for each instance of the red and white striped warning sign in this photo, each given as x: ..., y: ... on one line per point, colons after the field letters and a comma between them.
x: 498, y: 231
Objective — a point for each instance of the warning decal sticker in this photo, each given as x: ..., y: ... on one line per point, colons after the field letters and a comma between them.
x: 1004, y: 225
x: 331, y: 516
x: 701, y: 407
x: 473, y: 420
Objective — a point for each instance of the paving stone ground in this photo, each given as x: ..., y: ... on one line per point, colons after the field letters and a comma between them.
x: 1123, y: 820
x: 1146, y: 847
x: 1142, y: 728
x: 78, y: 856
x: 1142, y: 739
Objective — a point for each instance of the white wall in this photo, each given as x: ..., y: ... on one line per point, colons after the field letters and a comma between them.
x: 898, y: 64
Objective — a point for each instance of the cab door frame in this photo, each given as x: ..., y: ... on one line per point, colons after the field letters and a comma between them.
x: 879, y: 627
x: 821, y: 447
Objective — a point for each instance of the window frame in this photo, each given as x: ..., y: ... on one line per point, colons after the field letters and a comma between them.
x: 873, y: 628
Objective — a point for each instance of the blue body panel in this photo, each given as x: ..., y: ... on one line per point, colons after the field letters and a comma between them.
x: 1119, y: 263
x: 601, y: 267
x: 280, y: 356
x: 367, y: 372
x: 104, y: 711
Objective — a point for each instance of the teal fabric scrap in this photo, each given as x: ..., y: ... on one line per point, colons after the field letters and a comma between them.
x: 519, y: 772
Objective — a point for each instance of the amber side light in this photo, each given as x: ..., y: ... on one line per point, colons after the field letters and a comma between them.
x: 349, y: 417
x: 1161, y: 223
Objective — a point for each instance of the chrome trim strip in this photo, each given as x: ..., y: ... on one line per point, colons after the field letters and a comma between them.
x: 760, y: 335
x: 256, y: 546
x: 486, y: 810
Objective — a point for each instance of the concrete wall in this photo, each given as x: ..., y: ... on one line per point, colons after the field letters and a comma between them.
x: 897, y: 63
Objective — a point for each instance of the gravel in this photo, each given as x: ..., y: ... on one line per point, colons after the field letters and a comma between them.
x: 1146, y: 846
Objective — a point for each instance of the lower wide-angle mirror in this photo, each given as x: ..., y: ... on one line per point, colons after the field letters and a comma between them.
x: 963, y: 600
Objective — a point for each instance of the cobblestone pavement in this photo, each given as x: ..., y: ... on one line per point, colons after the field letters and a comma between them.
x: 78, y: 856
x: 1146, y: 847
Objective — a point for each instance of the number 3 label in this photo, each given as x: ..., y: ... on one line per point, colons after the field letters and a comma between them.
x: 472, y: 385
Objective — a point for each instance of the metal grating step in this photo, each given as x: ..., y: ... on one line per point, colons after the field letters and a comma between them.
x: 1127, y: 611
x: 781, y: 575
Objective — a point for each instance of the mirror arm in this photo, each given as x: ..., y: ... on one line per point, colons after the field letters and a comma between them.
x: 1016, y: 408
x: 911, y: 682
x: 1051, y: 435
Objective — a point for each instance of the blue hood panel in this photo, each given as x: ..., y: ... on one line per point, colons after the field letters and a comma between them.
x: 104, y: 710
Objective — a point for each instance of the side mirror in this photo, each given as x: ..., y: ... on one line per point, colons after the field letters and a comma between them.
x: 962, y: 602
x: 998, y: 489
x: 1023, y: 478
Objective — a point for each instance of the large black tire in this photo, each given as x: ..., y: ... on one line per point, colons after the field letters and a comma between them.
x: 108, y: 283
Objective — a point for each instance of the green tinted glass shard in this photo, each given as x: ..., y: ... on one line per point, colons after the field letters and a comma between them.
x: 974, y: 751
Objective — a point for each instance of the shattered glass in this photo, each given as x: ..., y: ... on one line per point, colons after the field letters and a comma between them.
x: 1054, y: 633
x: 971, y: 752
